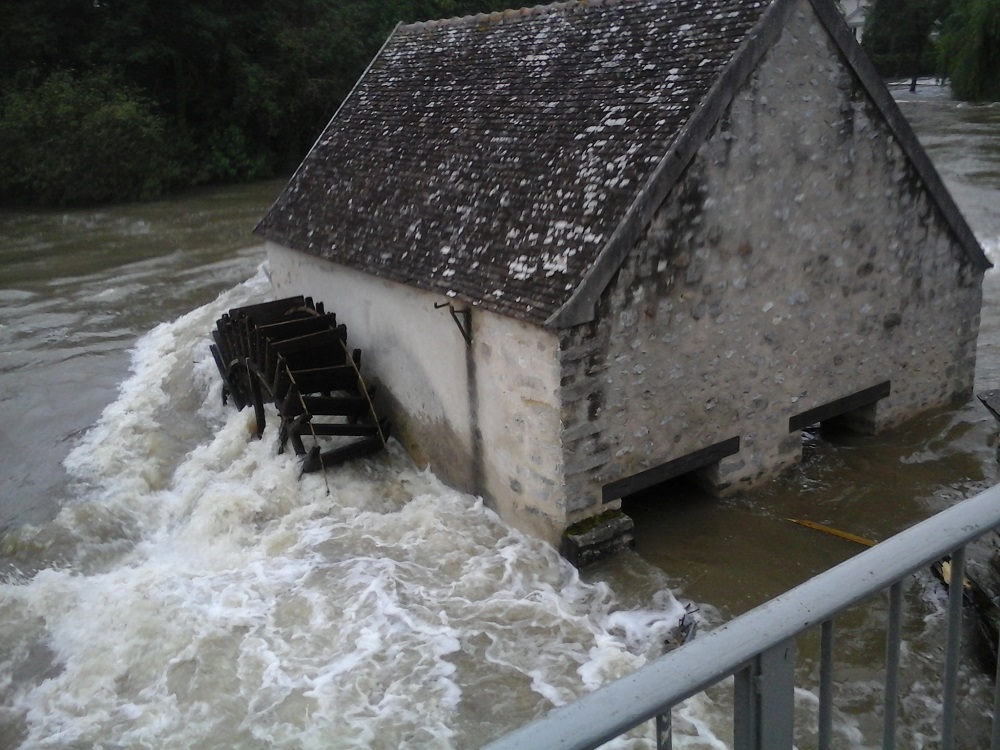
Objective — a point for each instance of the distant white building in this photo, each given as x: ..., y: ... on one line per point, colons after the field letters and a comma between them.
x: 855, y: 12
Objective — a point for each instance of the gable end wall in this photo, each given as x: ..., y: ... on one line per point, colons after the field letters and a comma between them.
x: 797, y: 261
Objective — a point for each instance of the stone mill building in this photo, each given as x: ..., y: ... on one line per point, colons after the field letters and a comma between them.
x: 590, y: 246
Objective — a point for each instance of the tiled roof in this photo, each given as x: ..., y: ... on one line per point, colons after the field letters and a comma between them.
x: 491, y: 158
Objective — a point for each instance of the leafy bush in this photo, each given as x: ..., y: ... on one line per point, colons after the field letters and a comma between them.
x: 970, y: 50
x: 82, y: 139
x: 227, y: 155
x: 193, y: 91
x: 899, y: 36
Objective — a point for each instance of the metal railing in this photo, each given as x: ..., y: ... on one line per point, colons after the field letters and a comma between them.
x: 758, y: 650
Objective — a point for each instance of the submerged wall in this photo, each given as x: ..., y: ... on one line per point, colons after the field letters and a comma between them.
x: 798, y: 260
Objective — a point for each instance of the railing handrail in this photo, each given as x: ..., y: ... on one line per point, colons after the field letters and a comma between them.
x: 615, y: 708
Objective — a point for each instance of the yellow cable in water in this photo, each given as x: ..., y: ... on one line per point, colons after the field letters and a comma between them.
x: 942, y: 568
x: 834, y: 532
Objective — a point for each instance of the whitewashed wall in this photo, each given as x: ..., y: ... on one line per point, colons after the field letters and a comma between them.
x: 485, y: 418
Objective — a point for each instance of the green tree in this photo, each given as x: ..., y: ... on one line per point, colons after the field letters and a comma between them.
x: 970, y: 50
x: 899, y: 36
x: 39, y: 37
x: 224, y: 91
x: 82, y: 139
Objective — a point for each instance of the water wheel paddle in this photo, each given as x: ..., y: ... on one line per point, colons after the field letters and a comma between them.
x: 292, y: 353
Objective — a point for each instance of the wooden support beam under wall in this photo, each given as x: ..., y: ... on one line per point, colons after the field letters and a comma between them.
x: 838, y: 408
x: 670, y: 470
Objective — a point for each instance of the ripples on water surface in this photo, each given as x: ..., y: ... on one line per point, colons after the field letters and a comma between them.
x: 196, y: 592
x: 76, y: 289
x: 179, y: 585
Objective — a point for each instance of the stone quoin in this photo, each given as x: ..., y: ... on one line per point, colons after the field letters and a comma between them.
x: 590, y: 246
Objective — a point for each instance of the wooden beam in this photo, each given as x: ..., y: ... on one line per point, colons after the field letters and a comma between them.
x: 838, y: 408
x: 670, y: 470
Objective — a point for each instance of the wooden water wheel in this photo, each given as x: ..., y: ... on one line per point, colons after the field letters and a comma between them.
x: 293, y: 354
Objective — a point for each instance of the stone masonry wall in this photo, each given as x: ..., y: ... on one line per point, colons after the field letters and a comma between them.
x: 518, y: 408
x: 797, y: 261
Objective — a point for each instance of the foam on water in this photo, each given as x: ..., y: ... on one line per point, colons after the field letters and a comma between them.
x: 196, y: 592
x: 991, y: 246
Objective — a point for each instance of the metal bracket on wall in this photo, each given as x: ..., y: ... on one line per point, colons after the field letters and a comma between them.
x: 462, y: 318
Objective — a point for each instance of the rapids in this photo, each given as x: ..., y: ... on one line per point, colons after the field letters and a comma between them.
x: 167, y: 582
x: 196, y: 592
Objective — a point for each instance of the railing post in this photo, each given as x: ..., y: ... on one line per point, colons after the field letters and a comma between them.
x: 893, y: 639
x: 824, y: 739
x: 745, y: 709
x: 995, y: 733
x: 777, y: 696
x: 765, y: 701
x: 953, y: 643
x: 664, y: 731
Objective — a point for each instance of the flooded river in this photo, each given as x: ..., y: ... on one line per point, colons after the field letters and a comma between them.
x: 169, y: 583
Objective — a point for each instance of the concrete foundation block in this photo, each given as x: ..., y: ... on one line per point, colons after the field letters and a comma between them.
x: 598, y: 536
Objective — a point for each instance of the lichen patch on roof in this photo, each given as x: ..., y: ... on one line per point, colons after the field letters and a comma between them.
x: 490, y: 158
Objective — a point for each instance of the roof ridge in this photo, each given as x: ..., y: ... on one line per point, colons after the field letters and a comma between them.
x: 515, y: 14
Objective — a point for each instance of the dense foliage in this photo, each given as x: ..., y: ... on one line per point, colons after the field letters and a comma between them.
x: 970, y: 49
x: 954, y: 39
x: 898, y: 36
x: 122, y: 99
x: 109, y: 143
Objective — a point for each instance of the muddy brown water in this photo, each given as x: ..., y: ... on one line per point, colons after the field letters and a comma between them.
x: 77, y: 288
x: 740, y: 551
x: 736, y: 553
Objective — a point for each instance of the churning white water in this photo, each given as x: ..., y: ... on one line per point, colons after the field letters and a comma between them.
x: 194, y: 592
x: 197, y: 592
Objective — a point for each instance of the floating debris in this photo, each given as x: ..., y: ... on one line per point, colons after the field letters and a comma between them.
x: 292, y: 353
